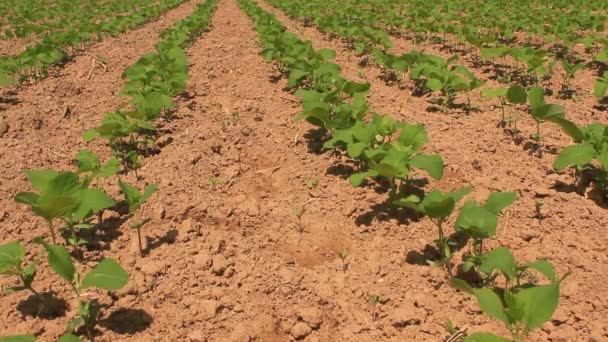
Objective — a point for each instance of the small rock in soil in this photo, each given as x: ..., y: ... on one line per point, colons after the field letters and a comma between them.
x: 300, y: 330
x: 220, y: 263
x: 160, y: 212
x: 312, y: 316
x: 3, y: 128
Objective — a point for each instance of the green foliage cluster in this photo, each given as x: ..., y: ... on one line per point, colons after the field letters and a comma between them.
x: 50, y: 47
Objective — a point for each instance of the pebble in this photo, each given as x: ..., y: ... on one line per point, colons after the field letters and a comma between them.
x: 312, y: 316
x: 220, y: 263
x: 300, y: 330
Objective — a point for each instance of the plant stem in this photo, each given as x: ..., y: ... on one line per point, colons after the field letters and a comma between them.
x: 53, y: 238
x: 141, y: 250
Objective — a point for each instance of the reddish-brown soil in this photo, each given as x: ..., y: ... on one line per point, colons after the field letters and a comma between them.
x: 228, y: 259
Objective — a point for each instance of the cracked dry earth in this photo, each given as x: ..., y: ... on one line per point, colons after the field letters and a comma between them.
x: 230, y: 262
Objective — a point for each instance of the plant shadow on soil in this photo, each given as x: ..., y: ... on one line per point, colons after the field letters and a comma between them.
x: 386, y: 210
x: 431, y: 253
x: 127, y: 321
x: 43, y: 305
x: 154, y: 242
x: 596, y: 194
x: 315, y: 138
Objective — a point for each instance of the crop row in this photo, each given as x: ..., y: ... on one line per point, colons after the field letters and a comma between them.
x: 26, y: 22
x: 72, y: 203
x: 432, y: 73
x: 522, y: 60
x: 36, y: 59
x: 390, y: 153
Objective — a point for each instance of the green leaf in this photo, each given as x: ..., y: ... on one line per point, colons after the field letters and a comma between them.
x: 569, y: 127
x: 437, y: 205
x: 91, y: 202
x: 6, y: 80
x: 537, y: 304
x: 495, y: 92
x: 87, y: 161
x: 26, y: 198
x: 355, y: 149
x: 358, y: 178
x: 40, y: 179
x: 578, y: 154
x: 458, y: 195
x: 484, y: 337
x: 462, y: 285
x: 475, y: 221
x: 600, y: 88
x: 500, y: 259
x: 111, y: 168
x: 434, y: 84
x: 18, y: 338
x: 69, y: 338
x: 491, y: 304
x: 411, y: 201
x: 433, y: 164
x: 131, y: 194
x: 60, y: 260
x: 543, y: 267
x: 327, y: 54
x: 500, y: 200
x: 107, y: 275
x: 517, y: 94
x: 536, y: 97
x: 60, y: 197
x: 11, y: 256
x: 149, y: 191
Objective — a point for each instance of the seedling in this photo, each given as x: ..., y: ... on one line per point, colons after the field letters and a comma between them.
x: 312, y: 184
x: 343, y: 254
x: 480, y: 222
x: 135, y: 200
x: 298, y: 213
x: 375, y: 300
x: 522, y: 305
x: 439, y: 206
x: 591, y: 145
x: 213, y: 183
x: 107, y: 275
x: 539, y: 202
x: 601, y: 86
x: 570, y: 70
x: 12, y: 256
x: 515, y: 95
x: 64, y: 196
x: 544, y: 112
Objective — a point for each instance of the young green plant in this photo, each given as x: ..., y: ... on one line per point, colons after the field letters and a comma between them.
x: 12, y: 256
x: 135, y: 200
x: 107, y: 275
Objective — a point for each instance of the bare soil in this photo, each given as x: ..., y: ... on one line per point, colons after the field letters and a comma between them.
x: 228, y: 259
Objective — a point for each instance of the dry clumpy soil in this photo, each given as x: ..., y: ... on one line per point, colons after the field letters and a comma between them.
x: 229, y: 261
